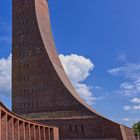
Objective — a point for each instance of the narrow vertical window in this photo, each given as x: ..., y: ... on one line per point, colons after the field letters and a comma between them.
x: 36, y: 103
x: 24, y: 91
x: 82, y: 128
x: 76, y: 128
x: 70, y: 128
x: 20, y: 79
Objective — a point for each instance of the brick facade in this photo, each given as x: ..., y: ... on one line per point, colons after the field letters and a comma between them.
x: 13, y: 127
x: 41, y: 89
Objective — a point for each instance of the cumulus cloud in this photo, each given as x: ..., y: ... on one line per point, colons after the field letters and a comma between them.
x: 5, y: 76
x: 78, y: 69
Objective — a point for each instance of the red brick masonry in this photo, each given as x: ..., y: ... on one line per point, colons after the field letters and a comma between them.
x: 13, y: 127
x: 41, y: 90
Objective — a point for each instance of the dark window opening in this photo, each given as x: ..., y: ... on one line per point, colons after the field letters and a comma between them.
x: 24, y: 91
x: 20, y: 67
x: 76, y: 128
x: 24, y: 78
x: 70, y: 128
x: 82, y: 128
x: 20, y: 79
x: 36, y: 103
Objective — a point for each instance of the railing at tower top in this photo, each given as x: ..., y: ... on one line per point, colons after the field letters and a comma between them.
x: 13, y: 127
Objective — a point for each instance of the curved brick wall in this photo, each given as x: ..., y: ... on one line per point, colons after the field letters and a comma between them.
x: 41, y: 90
x: 37, y: 71
x: 13, y: 127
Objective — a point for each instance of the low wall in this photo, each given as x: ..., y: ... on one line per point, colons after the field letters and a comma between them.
x: 13, y: 127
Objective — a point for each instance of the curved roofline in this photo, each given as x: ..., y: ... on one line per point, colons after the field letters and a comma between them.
x: 41, y: 9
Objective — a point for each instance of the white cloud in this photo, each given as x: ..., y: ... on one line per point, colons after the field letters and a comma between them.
x: 5, y: 76
x: 114, y: 71
x: 136, y: 100
x: 131, y: 73
x: 78, y: 69
x: 135, y: 107
x: 127, y: 107
x: 129, y: 70
x: 130, y: 88
x: 98, y: 88
x: 126, y: 119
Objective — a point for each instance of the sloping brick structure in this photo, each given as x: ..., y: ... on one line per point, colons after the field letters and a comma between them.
x: 13, y: 127
x: 41, y: 89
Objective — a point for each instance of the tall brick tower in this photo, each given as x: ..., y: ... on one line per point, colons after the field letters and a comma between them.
x: 40, y: 88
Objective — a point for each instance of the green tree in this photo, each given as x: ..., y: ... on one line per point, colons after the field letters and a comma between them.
x: 136, y: 128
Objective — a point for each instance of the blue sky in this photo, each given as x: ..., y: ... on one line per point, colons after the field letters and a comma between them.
x: 105, y: 32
